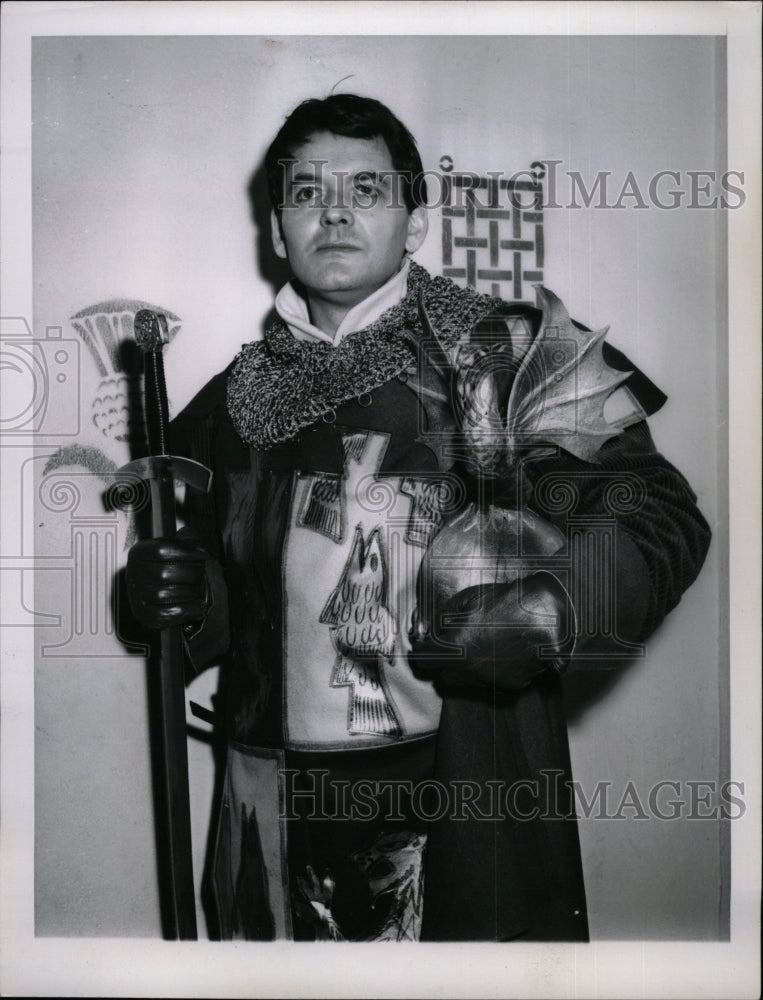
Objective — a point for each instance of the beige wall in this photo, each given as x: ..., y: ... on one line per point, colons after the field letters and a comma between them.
x: 142, y: 152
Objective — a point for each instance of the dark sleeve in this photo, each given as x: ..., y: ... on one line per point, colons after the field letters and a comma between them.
x: 636, y: 538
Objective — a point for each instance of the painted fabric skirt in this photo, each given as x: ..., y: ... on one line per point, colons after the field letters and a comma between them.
x: 323, y: 845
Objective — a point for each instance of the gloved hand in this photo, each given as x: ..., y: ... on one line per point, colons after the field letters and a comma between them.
x: 167, y: 582
x: 501, y: 628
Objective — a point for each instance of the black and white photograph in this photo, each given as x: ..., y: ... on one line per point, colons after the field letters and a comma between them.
x: 380, y: 499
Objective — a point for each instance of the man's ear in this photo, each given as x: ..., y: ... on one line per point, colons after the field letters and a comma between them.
x: 418, y: 223
x: 279, y: 244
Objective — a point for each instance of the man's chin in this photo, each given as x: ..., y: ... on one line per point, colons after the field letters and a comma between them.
x: 347, y: 282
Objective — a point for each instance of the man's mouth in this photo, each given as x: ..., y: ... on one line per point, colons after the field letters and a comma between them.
x: 337, y: 246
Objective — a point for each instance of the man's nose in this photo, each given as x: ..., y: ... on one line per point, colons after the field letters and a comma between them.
x: 337, y: 212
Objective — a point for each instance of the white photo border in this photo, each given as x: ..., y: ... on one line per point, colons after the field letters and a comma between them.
x: 77, y: 967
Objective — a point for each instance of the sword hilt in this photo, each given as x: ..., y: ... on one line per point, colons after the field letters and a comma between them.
x: 151, y: 334
x: 174, y: 467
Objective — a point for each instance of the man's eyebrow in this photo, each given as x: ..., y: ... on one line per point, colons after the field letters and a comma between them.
x: 378, y: 176
x: 297, y: 178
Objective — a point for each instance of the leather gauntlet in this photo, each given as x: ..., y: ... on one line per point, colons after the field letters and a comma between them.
x: 502, y: 635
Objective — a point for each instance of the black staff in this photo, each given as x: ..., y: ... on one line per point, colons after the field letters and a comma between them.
x: 173, y: 817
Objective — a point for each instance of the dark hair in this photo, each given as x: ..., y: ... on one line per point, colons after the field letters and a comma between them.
x: 354, y: 117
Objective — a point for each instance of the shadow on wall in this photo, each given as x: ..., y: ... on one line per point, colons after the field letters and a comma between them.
x: 274, y: 270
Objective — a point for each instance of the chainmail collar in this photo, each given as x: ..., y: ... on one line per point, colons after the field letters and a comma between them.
x: 281, y: 385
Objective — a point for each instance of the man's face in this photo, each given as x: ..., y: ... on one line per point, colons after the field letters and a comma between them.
x: 344, y: 227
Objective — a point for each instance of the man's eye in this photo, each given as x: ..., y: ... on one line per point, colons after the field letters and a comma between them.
x: 306, y: 193
x: 365, y: 192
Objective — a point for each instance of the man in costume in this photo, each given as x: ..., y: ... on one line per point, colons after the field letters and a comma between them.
x: 379, y: 568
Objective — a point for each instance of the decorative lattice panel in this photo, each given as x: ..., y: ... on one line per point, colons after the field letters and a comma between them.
x: 492, y: 231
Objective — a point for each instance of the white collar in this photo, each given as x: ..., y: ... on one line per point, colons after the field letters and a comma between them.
x: 292, y: 308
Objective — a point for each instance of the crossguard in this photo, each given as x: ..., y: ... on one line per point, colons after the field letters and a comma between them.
x: 163, y: 467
